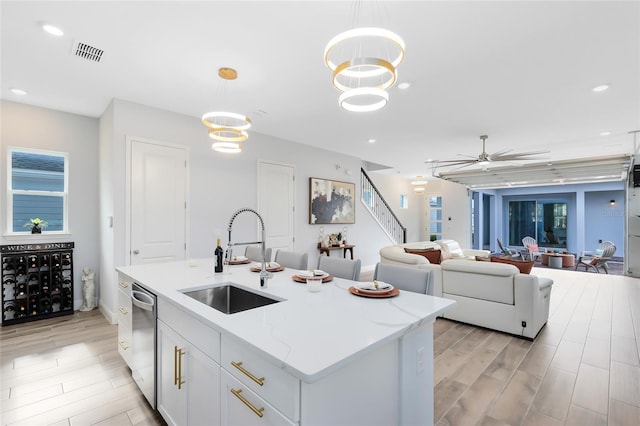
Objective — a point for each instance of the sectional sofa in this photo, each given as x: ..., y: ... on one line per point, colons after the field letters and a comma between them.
x: 488, y: 294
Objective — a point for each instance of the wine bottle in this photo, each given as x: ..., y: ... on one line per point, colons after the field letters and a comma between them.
x: 219, y: 255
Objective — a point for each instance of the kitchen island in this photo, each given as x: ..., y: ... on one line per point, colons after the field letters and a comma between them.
x: 324, y: 358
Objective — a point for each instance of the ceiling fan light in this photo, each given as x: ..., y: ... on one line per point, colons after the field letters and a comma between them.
x: 364, y: 95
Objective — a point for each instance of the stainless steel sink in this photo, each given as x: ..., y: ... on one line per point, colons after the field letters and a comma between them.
x: 229, y: 299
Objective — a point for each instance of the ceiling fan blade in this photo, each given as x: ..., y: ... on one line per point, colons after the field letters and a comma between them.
x: 500, y: 153
x: 452, y: 163
x: 516, y: 156
x: 470, y: 160
x: 462, y: 166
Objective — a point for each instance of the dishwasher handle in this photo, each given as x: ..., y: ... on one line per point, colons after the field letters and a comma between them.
x: 142, y: 300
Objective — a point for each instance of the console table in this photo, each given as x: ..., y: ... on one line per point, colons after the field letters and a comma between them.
x: 343, y: 247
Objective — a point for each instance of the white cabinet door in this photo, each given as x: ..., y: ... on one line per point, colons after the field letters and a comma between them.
x: 188, y: 381
x: 242, y: 407
x: 171, y: 396
x: 203, y: 387
x: 124, y: 320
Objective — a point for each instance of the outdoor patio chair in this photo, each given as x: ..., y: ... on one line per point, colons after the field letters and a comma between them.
x: 598, y: 261
x: 531, y: 245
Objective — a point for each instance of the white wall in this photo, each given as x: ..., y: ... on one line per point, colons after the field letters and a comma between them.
x: 219, y: 185
x: 411, y: 218
x: 40, y: 128
x: 456, y: 210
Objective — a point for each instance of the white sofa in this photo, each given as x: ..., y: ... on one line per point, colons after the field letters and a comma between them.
x: 395, y: 254
x: 496, y: 296
x: 488, y: 294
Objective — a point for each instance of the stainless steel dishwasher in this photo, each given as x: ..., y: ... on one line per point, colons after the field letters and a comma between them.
x: 143, y: 341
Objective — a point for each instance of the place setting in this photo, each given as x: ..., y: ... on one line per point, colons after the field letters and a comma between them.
x: 374, y: 289
x: 239, y: 260
x: 302, y: 276
x: 270, y: 267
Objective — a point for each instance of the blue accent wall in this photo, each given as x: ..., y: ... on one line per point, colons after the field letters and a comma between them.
x: 590, y: 218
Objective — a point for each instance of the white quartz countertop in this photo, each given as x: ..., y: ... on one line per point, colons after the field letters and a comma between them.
x: 310, y: 335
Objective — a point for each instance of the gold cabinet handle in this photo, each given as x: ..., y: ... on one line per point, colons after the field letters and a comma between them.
x: 124, y: 311
x: 177, y: 367
x: 239, y: 366
x: 123, y: 345
x: 258, y: 411
x: 124, y: 285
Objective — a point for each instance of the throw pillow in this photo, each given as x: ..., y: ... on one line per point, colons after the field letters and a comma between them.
x: 523, y: 266
x: 594, y: 261
x: 433, y: 256
x: 533, y: 248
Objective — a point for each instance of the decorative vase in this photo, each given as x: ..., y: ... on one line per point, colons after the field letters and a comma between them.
x: 36, y: 230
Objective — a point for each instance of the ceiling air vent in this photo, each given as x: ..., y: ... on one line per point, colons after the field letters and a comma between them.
x: 85, y: 51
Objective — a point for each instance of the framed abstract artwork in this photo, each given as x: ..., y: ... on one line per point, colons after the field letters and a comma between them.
x: 331, y: 201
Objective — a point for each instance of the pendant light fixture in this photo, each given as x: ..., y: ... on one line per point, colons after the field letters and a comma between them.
x: 227, y: 129
x: 419, y: 185
x: 359, y: 71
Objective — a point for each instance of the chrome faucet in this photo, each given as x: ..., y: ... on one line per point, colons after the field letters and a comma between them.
x: 264, y: 275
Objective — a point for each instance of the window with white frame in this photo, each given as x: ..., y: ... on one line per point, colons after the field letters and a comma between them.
x: 37, y: 185
x: 435, y: 217
x: 404, y: 201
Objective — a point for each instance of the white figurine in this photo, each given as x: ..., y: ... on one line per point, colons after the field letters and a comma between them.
x: 88, y: 289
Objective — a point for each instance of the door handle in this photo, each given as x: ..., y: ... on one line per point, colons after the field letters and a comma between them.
x: 136, y: 252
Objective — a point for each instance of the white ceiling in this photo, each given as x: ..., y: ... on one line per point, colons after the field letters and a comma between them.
x: 521, y: 72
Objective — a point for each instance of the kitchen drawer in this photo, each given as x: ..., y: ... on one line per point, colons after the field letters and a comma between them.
x: 124, y: 284
x: 238, y: 404
x: 200, y: 335
x: 278, y: 387
x: 124, y: 318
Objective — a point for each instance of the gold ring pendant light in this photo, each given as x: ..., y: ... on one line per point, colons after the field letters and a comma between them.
x: 364, y: 78
x: 227, y: 129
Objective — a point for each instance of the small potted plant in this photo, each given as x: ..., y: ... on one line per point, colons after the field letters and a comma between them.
x: 36, y: 225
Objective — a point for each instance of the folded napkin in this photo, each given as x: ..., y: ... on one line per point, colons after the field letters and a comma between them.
x: 382, y: 286
x: 238, y: 258
x: 311, y: 273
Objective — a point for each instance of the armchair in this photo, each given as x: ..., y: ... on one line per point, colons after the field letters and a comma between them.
x: 531, y: 245
x: 605, y: 250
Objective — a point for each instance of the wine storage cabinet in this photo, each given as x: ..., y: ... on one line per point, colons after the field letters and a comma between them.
x: 37, y: 281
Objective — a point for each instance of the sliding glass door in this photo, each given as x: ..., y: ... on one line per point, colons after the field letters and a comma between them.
x: 546, y: 221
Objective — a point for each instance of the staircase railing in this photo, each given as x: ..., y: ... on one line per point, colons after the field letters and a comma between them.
x: 380, y: 210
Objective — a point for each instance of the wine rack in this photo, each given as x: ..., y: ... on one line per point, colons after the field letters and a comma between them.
x: 37, y: 281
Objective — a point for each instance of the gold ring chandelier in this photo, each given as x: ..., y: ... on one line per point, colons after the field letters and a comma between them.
x: 227, y: 129
x: 363, y: 77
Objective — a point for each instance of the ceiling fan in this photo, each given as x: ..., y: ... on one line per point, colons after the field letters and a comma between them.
x: 485, y: 159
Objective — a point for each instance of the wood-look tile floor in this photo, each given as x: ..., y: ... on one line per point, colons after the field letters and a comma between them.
x: 583, y: 369
x: 67, y: 371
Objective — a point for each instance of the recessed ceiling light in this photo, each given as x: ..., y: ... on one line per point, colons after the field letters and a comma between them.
x: 53, y: 30
x: 606, y: 133
x: 404, y: 85
x: 17, y: 91
x: 600, y: 88
x: 371, y: 140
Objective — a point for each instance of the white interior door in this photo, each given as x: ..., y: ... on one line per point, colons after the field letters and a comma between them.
x: 276, y: 204
x: 158, y: 203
